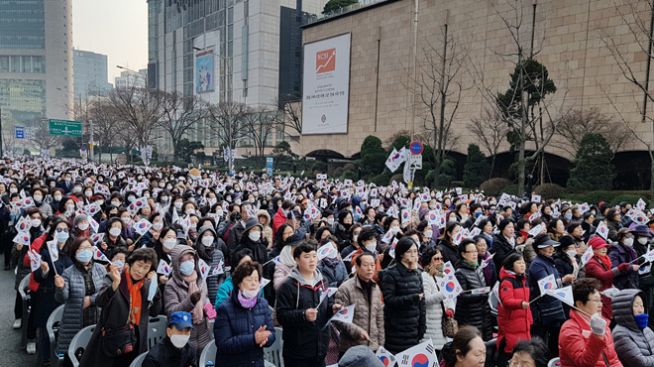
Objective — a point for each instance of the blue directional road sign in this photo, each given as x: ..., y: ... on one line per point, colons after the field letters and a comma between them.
x: 20, y: 132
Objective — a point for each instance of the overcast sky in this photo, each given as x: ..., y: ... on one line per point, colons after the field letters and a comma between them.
x: 116, y: 28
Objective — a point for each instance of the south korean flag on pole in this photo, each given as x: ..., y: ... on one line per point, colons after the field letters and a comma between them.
x: 422, y: 355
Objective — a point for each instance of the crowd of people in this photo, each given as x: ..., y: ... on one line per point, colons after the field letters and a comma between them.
x: 232, y: 260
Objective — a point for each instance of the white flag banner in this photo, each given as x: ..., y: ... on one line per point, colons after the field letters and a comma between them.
x: 142, y: 226
x: 35, y: 260
x: 327, y: 250
x: 204, y: 268
x: 53, y: 250
x: 345, y: 314
x: 602, y: 230
x: 395, y: 159
x: 387, y: 358
x: 264, y: 283
x: 422, y: 355
x: 563, y: 294
x: 641, y: 204
x: 164, y: 269
x: 587, y: 255
x: 546, y: 284
x: 99, y: 255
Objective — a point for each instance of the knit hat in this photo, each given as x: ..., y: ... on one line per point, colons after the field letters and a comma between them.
x: 641, y: 230
x: 360, y: 356
x: 403, y: 245
x: 251, y: 223
x: 567, y: 241
x: 597, y: 242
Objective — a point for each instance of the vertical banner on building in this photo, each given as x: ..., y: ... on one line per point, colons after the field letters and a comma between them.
x: 205, y: 71
x: 326, y: 86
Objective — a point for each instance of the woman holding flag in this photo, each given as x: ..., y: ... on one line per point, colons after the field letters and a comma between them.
x: 54, y: 260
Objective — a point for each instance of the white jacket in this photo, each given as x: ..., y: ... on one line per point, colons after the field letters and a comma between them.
x: 433, y: 299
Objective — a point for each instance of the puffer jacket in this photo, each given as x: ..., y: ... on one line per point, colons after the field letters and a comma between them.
x: 635, y: 347
x: 234, y: 332
x: 514, y: 321
x: 333, y: 271
x: 177, y: 298
x: 214, y: 257
x: 404, y: 311
x: 501, y: 248
x: 547, y: 310
x: 620, y: 254
x: 449, y: 252
x: 596, y: 269
x: 303, y: 339
x: 72, y: 296
x: 434, y: 311
x: 579, y: 347
x: 368, y: 315
x: 472, y: 309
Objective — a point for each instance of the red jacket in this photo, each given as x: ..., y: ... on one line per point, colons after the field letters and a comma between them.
x: 36, y: 247
x: 278, y: 220
x: 579, y: 347
x: 514, y: 321
x: 596, y: 269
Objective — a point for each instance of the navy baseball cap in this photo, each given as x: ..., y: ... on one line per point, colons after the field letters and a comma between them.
x: 181, y: 320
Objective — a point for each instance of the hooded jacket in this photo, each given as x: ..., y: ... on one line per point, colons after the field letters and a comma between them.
x: 303, y: 339
x: 635, y: 347
x: 177, y: 297
x: 514, y: 321
x: 213, y: 257
x: 267, y: 232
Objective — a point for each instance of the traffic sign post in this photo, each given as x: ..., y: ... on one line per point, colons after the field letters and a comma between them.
x: 65, y: 128
x: 416, y: 147
x: 20, y: 132
x: 269, y: 165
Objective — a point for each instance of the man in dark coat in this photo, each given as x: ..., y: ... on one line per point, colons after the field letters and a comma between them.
x: 174, y: 350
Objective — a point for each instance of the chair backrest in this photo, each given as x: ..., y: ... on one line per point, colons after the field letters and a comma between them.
x: 80, y: 340
x: 52, y: 328
x: 23, y: 288
x: 491, y: 352
x: 208, y: 355
x: 554, y: 362
x: 273, y: 354
x: 138, y: 361
x: 268, y: 364
x: 157, y: 330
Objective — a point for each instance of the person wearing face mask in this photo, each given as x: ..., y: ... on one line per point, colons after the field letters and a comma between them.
x: 504, y: 243
x: 267, y: 234
x: 113, y: 237
x: 404, y: 299
x: 432, y: 263
x: 601, y: 268
x: 42, y: 286
x: 332, y: 268
x: 121, y: 333
x: 446, y: 243
x: 251, y: 239
x: 355, y: 231
x: 81, y: 227
x: 38, y: 195
x: 342, y: 229
x: 206, y: 246
x: 634, y: 340
x: 244, y: 321
x: 286, y: 263
x: 187, y: 291
x: 78, y: 288
x: 624, y: 252
x: 174, y: 350
x: 471, y: 308
x: 565, y: 260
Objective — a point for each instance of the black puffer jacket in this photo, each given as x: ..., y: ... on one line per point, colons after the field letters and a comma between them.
x: 404, y: 312
x: 449, y: 252
x: 472, y: 309
x: 635, y: 347
x: 501, y: 248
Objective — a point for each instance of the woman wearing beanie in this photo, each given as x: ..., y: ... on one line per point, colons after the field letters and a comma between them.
x: 404, y: 301
x: 600, y: 268
x: 472, y: 308
x: 634, y: 340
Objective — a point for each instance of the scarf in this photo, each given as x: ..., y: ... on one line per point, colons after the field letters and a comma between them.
x: 198, y: 312
x: 605, y: 260
x: 136, y: 302
x: 471, y: 264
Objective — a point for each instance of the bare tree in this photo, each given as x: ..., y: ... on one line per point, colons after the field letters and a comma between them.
x: 107, y: 126
x: 9, y: 142
x: 140, y: 109
x: 180, y: 115
x: 439, y: 92
x: 260, y: 124
x: 638, y: 15
x: 42, y: 138
x: 226, y: 120
x: 575, y: 125
x: 490, y: 131
x: 290, y: 118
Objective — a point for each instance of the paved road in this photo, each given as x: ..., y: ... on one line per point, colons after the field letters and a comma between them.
x: 11, y: 352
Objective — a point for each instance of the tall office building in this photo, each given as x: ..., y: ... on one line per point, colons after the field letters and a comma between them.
x: 130, y: 78
x: 36, y: 61
x: 246, y: 51
x: 90, y: 71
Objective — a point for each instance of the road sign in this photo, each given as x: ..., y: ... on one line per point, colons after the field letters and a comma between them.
x: 415, y: 161
x: 416, y: 147
x: 269, y: 165
x: 65, y: 127
x: 20, y: 132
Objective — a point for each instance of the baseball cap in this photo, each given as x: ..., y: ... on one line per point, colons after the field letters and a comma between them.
x: 181, y: 320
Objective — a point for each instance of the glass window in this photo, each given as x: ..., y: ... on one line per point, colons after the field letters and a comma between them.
x: 22, y: 24
x: 4, y: 64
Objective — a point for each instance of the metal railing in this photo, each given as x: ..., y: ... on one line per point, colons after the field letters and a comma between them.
x: 344, y: 10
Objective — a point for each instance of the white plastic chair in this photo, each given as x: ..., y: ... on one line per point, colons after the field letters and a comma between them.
x: 24, y: 292
x: 208, y: 355
x: 80, y: 340
x: 554, y: 362
x: 157, y: 330
x: 268, y: 364
x: 138, y: 361
x: 273, y: 354
x: 52, y: 328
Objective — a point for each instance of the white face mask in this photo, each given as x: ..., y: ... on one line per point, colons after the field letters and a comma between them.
x: 169, y: 244
x: 428, y: 234
x: 115, y: 232
x: 642, y: 240
x: 372, y: 247
x: 629, y: 242
x: 157, y: 226
x: 83, y: 226
x: 571, y: 253
x: 179, y: 341
x: 207, y: 241
x: 254, y: 235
